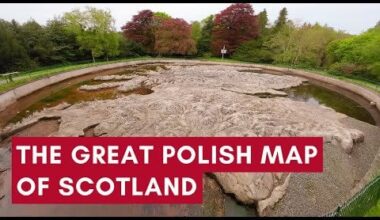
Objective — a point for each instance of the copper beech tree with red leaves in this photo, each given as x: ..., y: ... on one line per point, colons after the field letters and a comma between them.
x: 164, y: 36
x: 233, y: 26
x: 173, y: 37
x: 141, y: 29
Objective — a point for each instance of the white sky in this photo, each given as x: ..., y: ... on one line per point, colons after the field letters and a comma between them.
x: 352, y: 18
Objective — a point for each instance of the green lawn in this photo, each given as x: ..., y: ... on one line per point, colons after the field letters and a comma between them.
x: 26, y: 77
x: 374, y: 211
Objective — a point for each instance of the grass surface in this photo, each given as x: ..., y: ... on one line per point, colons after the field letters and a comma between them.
x: 374, y: 211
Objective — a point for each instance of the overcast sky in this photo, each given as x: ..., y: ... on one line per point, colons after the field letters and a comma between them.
x: 352, y: 18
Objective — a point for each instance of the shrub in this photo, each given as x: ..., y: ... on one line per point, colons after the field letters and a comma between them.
x: 207, y: 55
x: 374, y: 70
x: 348, y: 69
x: 253, y: 51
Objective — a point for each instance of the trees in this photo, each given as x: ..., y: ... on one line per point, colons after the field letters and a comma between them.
x: 94, y: 29
x: 204, y: 42
x: 76, y: 36
x: 282, y: 20
x: 34, y: 39
x: 141, y: 29
x: 174, y: 38
x: 234, y: 26
x: 377, y: 24
x: 159, y: 33
x: 357, y: 55
x: 64, y: 45
x: 256, y: 50
x: 158, y: 19
x: 111, y: 45
x: 80, y: 35
x: 281, y: 42
x: 161, y: 16
x: 303, y: 45
x: 129, y: 48
x: 263, y: 22
x: 13, y: 56
x: 196, y: 30
x: 317, y: 38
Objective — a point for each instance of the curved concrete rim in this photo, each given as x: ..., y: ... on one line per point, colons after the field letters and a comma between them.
x: 13, y: 95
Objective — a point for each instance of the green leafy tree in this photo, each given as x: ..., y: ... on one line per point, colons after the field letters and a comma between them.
x: 281, y: 21
x: 304, y: 45
x: 94, y: 29
x: 256, y: 50
x: 34, y: 39
x: 111, y: 45
x: 263, y: 22
x: 13, y: 56
x: 130, y: 48
x: 281, y: 42
x: 196, y: 31
x: 204, y: 42
x: 64, y: 45
x: 357, y: 55
x: 161, y: 15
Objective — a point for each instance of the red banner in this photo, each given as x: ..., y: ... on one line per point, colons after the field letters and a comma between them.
x: 146, y: 169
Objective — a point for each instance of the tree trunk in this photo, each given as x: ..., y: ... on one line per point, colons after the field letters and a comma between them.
x: 107, y: 58
x: 93, y: 58
x: 295, y: 60
x: 322, y: 59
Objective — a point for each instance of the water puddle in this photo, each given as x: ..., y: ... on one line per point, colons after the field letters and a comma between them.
x: 142, y: 69
x: 260, y: 71
x: 68, y: 91
x: 234, y: 208
x: 218, y: 203
x: 316, y: 94
x: 265, y: 95
x: 69, y: 95
x: 252, y: 70
x: 41, y: 128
